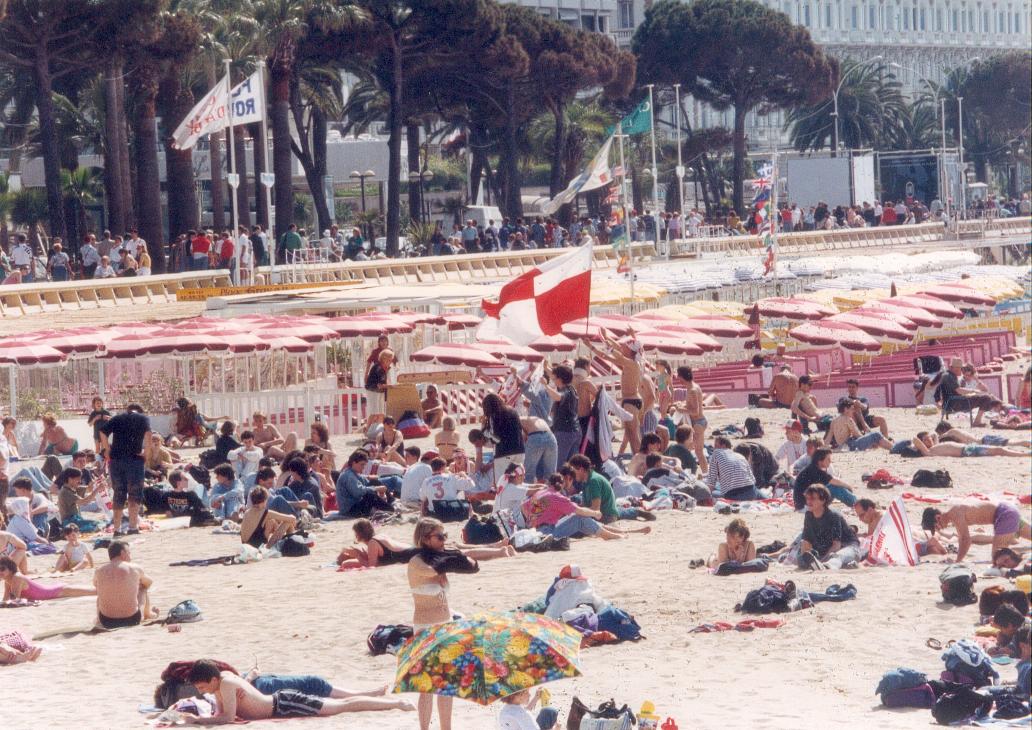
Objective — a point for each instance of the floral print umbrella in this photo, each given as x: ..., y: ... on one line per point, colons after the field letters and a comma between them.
x: 488, y: 656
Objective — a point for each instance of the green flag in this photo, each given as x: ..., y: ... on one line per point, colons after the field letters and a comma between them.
x: 638, y: 121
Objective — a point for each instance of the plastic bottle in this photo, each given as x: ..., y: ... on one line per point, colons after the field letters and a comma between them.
x: 647, y: 717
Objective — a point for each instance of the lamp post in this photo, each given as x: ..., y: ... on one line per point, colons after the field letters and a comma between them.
x: 361, y: 177
x: 418, y: 178
x: 834, y: 113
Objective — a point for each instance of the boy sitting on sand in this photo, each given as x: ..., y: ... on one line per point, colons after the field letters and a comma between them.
x: 75, y: 556
x: 237, y: 698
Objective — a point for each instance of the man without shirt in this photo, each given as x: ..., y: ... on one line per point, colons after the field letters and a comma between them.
x: 235, y: 698
x: 843, y: 431
x: 869, y: 514
x: 1006, y: 519
x: 123, y: 597
x: 804, y: 405
x: 693, y: 406
x: 626, y: 357
x: 782, y: 391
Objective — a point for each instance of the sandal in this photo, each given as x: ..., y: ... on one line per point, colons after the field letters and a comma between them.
x: 934, y: 644
x: 696, y: 563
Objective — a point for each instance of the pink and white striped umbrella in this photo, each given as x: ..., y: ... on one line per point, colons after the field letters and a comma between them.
x: 361, y: 327
x: 294, y: 345
x: 938, y: 307
x: 687, y: 334
x: 462, y: 321
x: 667, y: 345
x: 794, y: 309
x: 874, y: 326
x: 451, y: 353
x: 308, y: 332
x: 916, y: 315
x: 960, y: 294
x: 26, y: 354
x: 553, y: 343
x: 825, y: 332
x: 717, y: 326
x: 408, y: 316
x: 508, y: 350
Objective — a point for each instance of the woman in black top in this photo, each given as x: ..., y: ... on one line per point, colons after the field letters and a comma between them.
x: 565, y: 425
x: 504, y: 424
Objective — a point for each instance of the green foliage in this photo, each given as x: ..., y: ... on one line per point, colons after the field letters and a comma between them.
x: 32, y: 403
x: 303, y: 215
x: 156, y: 394
x: 420, y: 234
x: 29, y: 206
x: 449, y: 174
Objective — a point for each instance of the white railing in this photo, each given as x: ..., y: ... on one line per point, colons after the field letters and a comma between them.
x: 341, y: 409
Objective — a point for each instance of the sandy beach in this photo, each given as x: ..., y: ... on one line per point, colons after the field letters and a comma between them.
x: 302, y: 616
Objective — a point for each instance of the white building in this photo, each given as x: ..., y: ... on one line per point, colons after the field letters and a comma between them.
x: 596, y: 15
x: 924, y: 38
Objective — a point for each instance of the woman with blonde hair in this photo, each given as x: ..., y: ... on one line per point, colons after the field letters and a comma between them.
x: 428, y: 581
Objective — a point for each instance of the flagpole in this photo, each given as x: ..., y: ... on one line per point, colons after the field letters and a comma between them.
x: 775, y: 215
x: 655, y: 171
x: 680, y: 166
x: 232, y: 173
x: 623, y: 208
x: 271, y: 252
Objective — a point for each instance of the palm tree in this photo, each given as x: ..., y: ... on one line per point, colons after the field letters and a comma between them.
x: 870, y: 100
x: 81, y: 188
x: 453, y: 205
x: 316, y: 98
x: 915, y: 128
x: 29, y: 207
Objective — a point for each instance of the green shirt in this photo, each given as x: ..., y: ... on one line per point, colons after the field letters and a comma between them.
x: 291, y: 241
x: 684, y: 455
x: 598, y: 487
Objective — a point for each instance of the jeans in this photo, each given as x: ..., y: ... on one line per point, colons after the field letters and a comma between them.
x: 843, y: 495
x: 41, y: 523
x: 232, y: 499
x: 572, y: 526
x: 834, y: 593
x: 568, y: 443
x: 279, y: 503
x: 546, y: 718
x: 742, y: 494
x: 40, y: 481
x: 869, y: 440
x: 540, y: 459
x: 309, y: 684
x: 848, y: 554
x: 199, y: 262
x: 393, y: 484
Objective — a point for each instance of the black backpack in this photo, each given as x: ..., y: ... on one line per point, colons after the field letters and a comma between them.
x: 957, y: 584
x: 481, y: 531
x: 388, y: 638
x: 960, y: 703
x: 294, y: 546
x: 938, y: 479
x: 450, y: 510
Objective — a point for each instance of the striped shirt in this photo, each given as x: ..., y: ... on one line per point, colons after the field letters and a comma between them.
x: 729, y: 470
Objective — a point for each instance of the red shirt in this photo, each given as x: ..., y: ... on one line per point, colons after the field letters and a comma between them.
x: 226, y: 249
x: 200, y: 244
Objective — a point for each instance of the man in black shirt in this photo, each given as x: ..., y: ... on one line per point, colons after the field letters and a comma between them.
x: 258, y: 246
x: 817, y: 473
x: 952, y: 397
x: 125, y: 463
x: 182, y: 500
x: 828, y: 542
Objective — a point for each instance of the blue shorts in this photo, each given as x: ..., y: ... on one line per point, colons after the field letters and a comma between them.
x: 308, y: 684
x: 868, y: 441
x: 127, y: 477
x: 992, y: 439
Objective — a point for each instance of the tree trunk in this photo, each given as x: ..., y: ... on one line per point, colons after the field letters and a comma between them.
x: 555, y: 182
x: 51, y: 146
x: 637, y: 198
x: 395, y: 124
x: 316, y: 182
x: 281, y: 148
x: 243, y: 191
x: 415, y: 203
x: 176, y: 101
x: 512, y: 202
x: 738, y: 162
x: 148, y: 183
x: 126, y: 170
x: 113, y: 181
x: 259, y: 166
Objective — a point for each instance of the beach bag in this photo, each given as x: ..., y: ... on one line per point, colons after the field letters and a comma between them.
x: 619, y: 623
x: 938, y: 479
x: 184, y: 612
x: 388, y: 638
x: 922, y: 696
x: 606, y: 717
x: 481, y: 531
x: 200, y: 475
x: 174, y: 685
x: 413, y: 427
x: 450, y: 510
x: 957, y: 585
x: 900, y: 678
x: 968, y: 663
x: 959, y: 704
x: 294, y: 546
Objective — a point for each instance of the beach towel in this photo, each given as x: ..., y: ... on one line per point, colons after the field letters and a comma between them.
x: 892, y: 542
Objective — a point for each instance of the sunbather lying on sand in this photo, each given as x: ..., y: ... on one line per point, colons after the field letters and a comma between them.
x: 18, y: 587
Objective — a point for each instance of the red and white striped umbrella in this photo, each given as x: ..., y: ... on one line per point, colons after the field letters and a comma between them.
x: 450, y: 353
x: 825, y: 332
x: 309, y: 332
x: 25, y: 354
x: 960, y: 294
x: 717, y: 326
x: 553, y: 343
x: 293, y: 345
x: 508, y: 350
x: 875, y: 326
x: 938, y: 307
x: 462, y: 321
x: 164, y: 343
x: 208, y: 324
x: 883, y: 315
x: 687, y: 334
x: 789, y: 308
x: 361, y: 327
x: 70, y: 342
x: 581, y: 330
x: 667, y: 345
x: 917, y: 316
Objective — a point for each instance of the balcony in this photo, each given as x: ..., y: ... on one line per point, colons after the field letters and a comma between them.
x: 622, y: 36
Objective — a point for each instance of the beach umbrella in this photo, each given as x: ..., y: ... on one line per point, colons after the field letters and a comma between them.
x: 488, y: 656
x: 207, y: 324
x: 717, y: 326
x: 653, y: 316
x: 306, y: 331
x: 665, y: 344
x: 70, y: 342
x: 890, y: 308
x: 507, y: 350
x: 361, y: 327
x: 680, y: 332
x: 462, y: 321
x: 825, y: 332
x: 26, y: 353
x: 241, y: 342
x: 581, y: 330
x: 959, y: 293
x: 553, y: 343
x: 873, y: 325
x: 795, y: 309
x: 163, y: 343
x: 938, y: 307
x: 885, y: 315
x: 451, y: 353
x: 408, y: 316
x: 293, y: 345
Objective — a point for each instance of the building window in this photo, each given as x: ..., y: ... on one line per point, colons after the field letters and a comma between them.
x: 806, y: 15
x: 872, y: 17
x: 626, y: 9
x: 938, y: 20
x: 970, y: 26
x: 854, y: 17
x: 827, y: 16
x: 923, y: 19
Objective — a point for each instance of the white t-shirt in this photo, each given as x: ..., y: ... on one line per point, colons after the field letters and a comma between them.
x: 510, y: 496
x: 791, y: 451
x: 5, y: 456
x: 413, y: 480
x: 245, y: 460
x: 443, y: 486
x: 21, y: 254
x: 515, y: 717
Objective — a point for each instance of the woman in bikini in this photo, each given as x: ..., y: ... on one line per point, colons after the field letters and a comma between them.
x: 391, y: 444
x: 428, y: 581
x: 17, y: 587
x: 448, y: 439
x: 736, y: 546
x: 262, y: 526
x: 373, y: 550
x: 54, y: 439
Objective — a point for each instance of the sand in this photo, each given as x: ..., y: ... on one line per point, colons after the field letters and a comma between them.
x: 296, y: 615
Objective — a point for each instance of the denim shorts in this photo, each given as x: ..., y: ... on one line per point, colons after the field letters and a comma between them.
x: 862, y: 443
x: 126, y: 481
x: 309, y: 684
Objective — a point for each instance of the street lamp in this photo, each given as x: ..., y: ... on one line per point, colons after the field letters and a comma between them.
x: 419, y: 178
x: 361, y: 177
x: 834, y: 113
